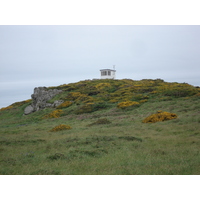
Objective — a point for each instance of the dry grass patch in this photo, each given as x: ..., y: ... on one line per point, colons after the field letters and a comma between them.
x: 61, y: 127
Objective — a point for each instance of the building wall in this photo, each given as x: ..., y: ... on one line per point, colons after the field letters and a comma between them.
x: 107, y: 74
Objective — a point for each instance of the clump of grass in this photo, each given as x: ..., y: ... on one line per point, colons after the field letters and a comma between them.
x: 61, y: 127
x: 56, y: 156
x: 100, y: 121
x: 130, y: 138
x: 160, y: 116
x: 86, y: 108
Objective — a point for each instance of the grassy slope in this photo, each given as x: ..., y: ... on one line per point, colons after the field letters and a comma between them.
x: 125, y: 146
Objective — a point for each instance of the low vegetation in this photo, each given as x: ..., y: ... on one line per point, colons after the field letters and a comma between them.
x: 65, y: 104
x: 100, y: 121
x: 127, y: 104
x: 106, y: 127
x: 60, y: 128
x: 160, y: 116
x: 53, y: 114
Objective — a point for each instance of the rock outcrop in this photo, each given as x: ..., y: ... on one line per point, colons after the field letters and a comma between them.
x: 40, y: 97
x: 29, y: 109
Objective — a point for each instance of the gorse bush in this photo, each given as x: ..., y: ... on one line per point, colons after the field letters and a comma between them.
x: 138, y: 97
x: 16, y: 104
x: 65, y: 104
x: 101, y: 86
x: 61, y: 127
x: 127, y: 104
x: 120, y: 91
x: 6, y: 108
x: 53, y: 114
x: 83, y: 98
x: 159, y: 116
x: 79, y: 98
x: 20, y: 103
x: 176, y: 89
x: 100, y: 106
x: 197, y: 95
x: 143, y: 101
x: 73, y: 96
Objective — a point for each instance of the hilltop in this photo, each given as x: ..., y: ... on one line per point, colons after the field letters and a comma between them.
x: 97, y: 127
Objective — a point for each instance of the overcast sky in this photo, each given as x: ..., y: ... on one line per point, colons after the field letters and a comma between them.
x: 33, y: 56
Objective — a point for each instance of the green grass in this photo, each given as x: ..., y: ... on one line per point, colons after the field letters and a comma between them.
x: 124, y: 146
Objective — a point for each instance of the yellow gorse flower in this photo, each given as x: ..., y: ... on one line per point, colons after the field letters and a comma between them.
x: 160, y: 116
x: 127, y: 104
x: 53, y: 114
x: 65, y: 104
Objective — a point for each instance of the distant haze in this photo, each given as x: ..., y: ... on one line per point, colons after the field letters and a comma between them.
x: 32, y: 56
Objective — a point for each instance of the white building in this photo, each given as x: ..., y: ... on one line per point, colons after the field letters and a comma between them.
x: 107, y: 73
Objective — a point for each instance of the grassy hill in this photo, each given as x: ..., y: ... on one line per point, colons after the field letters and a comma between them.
x: 100, y: 129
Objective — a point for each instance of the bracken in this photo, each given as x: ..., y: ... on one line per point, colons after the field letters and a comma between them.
x: 160, y: 116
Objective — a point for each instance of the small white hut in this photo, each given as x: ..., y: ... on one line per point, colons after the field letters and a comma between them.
x: 107, y: 73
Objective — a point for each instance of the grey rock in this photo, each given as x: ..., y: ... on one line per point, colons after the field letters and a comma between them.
x: 48, y: 105
x: 40, y: 97
x: 28, y: 110
x: 57, y: 103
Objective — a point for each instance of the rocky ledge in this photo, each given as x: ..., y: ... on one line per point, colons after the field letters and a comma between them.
x: 40, y: 97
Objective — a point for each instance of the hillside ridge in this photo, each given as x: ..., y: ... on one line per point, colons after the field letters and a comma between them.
x: 105, y: 91
x: 104, y: 127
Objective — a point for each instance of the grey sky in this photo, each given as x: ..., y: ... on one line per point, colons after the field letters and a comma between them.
x: 32, y: 56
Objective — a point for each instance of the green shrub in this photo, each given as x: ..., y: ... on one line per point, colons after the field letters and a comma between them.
x: 100, y: 106
x: 179, y: 92
x: 177, y: 89
x: 139, y: 97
